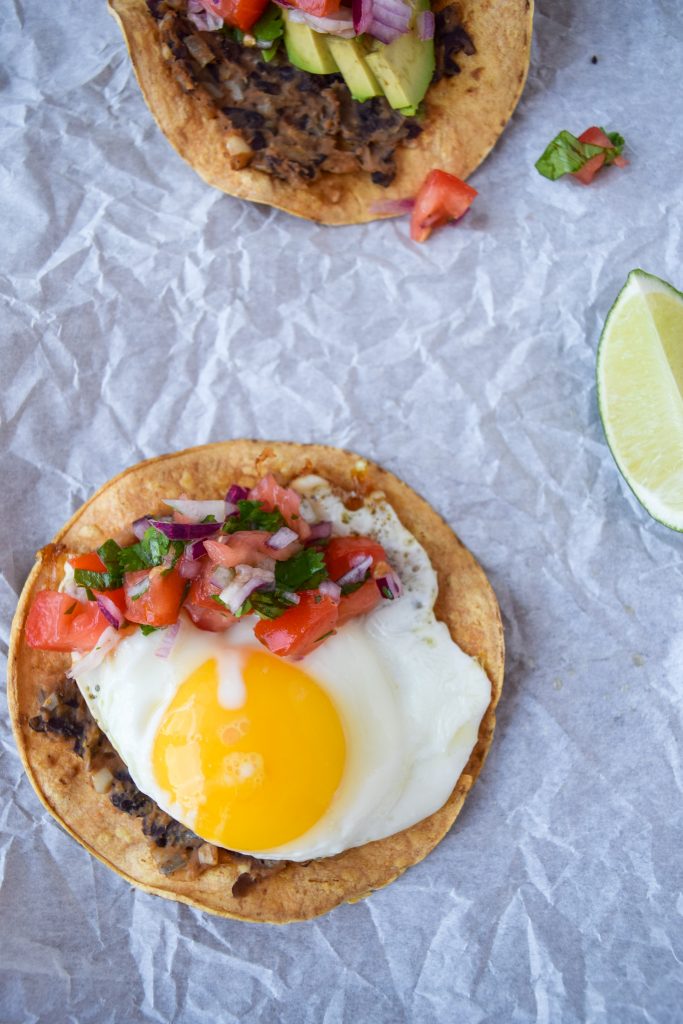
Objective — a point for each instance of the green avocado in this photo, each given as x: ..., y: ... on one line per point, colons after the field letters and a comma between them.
x: 350, y: 57
x: 307, y: 49
x: 405, y: 67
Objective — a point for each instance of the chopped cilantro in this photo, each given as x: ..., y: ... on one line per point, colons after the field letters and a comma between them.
x: 351, y: 588
x: 566, y: 155
x: 209, y: 519
x: 151, y: 551
x: 325, y: 636
x: 217, y: 599
x: 252, y: 516
x: 109, y: 554
x: 303, y: 571
x: 70, y: 610
x: 385, y: 592
x: 267, y: 604
x: 97, y: 580
x: 146, y: 630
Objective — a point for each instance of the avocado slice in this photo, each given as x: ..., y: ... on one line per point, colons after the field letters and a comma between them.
x: 405, y: 67
x: 307, y: 49
x: 350, y: 57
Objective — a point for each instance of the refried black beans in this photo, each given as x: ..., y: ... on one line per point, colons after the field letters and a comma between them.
x: 65, y: 714
x: 287, y: 122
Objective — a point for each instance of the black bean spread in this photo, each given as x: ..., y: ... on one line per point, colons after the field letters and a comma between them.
x: 287, y: 122
x: 64, y: 714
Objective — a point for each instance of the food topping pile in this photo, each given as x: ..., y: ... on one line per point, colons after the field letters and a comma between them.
x: 252, y: 554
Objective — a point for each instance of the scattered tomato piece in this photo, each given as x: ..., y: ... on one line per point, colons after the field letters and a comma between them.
x: 240, y: 13
x: 442, y: 198
x: 272, y: 495
x: 57, y: 622
x: 299, y: 630
x: 159, y: 605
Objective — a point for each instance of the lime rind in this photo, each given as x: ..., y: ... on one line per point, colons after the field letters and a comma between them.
x: 640, y: 282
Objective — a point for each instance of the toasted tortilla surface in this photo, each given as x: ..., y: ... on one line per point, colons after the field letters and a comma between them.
x: 466, y: 603
x: 464, y: 117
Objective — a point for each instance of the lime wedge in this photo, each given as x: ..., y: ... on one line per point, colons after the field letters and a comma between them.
x: 640, y: 392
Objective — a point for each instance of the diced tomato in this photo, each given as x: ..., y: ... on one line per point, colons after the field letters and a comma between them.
x: 320, y: 8
x: 241, y: 13
x: 200, y: 606
x: 360, y: 602
x: 57, y: 622
x: 93, y: 563
x: 442, y: 198
x: 272, y: 495
x: 595, y: 136
x: 213, y: 620
x: 248, y: 547
x: 343, y: 553
x: 298, y: 631
x: 159, y: 605
x: 590, y: 169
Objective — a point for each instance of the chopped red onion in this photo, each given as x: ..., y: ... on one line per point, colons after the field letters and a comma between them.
x: 189, y: 568
x: 362, y: 15
x: 221, y: 576
x: 393, y: 207
x: 201, y: 18
x: 338, y: 24
x: 282, y: 538
x: 111, y: 612
x: 357, y: 573
x: 390, y: 19
x: 425, y: 25
x: 330, y: 589
x: 291, y: 596
x: 247, y: 580
x: 195, y: 511
x: 185, y: 531
x: 390, y: 586
x: 107, y: 640
x: 236, y: 493
x: 140, y: 526
x: 195, y: 551
x: 320, y: 531
x: 138, y: 589
x: 170, y: 634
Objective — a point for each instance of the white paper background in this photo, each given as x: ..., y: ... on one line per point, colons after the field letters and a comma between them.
x: 143, y: 312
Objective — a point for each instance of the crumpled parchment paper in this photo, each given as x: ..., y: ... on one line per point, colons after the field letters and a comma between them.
x: 143, y: 312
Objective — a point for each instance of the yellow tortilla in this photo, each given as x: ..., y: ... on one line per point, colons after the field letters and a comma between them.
x: 466, y: 603
x: 465, y: 115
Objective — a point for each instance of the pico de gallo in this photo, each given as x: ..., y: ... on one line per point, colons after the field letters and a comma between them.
x: 251, y: 554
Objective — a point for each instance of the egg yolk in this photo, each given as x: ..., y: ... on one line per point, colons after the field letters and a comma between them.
x: 257, y: 776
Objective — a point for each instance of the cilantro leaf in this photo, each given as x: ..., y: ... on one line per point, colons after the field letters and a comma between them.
x: 151, y: 551
x: 146, y: 630
x: 266, y: 604
x: 302, y: 571
x: 566, y: 155
x: 97, y: 580
x: 252, y: 516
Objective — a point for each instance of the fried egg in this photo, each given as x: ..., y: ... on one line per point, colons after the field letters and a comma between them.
x: 360, y: 739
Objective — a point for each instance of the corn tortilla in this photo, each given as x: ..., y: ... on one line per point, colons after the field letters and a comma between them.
x: 466, y: 603
x: 464, y: 117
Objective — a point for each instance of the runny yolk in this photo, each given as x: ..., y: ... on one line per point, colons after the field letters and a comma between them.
x: 258, y: 776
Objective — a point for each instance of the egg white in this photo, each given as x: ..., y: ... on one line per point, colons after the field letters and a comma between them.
x: 410, y: 700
